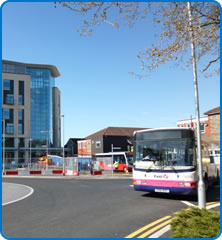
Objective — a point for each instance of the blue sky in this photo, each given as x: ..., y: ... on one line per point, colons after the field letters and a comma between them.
x: 97, y: 90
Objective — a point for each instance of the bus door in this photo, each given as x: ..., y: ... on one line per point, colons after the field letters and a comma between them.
x: 122, y: 162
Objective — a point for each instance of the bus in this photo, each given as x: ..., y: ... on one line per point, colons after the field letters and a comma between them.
x: 106, y: 161
x: 165, y: 161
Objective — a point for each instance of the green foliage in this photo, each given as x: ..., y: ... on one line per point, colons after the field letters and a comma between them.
x: 195, y: 223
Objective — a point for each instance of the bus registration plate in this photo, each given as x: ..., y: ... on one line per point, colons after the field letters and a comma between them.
x: 162, y: 190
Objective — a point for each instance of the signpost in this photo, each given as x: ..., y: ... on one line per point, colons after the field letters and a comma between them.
x: 113, y: 148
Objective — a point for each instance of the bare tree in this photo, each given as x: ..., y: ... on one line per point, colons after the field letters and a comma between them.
x: 172, y: 18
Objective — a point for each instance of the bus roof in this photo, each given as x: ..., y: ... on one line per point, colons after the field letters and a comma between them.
x: 110, y: 153
x: 160, y: 129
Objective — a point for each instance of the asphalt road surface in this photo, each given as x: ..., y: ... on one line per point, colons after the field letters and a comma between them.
x: 85, y: 208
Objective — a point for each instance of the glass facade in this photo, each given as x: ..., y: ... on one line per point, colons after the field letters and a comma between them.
x: 41, y: 105
x: 16, y: 113
x: 8, y: 92
x: 8, y: 116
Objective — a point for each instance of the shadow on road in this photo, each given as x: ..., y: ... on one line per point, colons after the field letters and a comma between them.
x: 213, y: 195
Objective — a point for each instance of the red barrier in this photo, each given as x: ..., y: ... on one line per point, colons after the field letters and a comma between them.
x: 11, y: 173
x: 96, y: 172
x: 35, y: 172
x: 57, y: 171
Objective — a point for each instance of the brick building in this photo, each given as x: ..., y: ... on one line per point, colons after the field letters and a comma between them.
x: 210, y: 133
x: 211, y: 137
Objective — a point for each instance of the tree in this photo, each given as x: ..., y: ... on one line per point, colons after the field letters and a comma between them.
x: 172, y: 17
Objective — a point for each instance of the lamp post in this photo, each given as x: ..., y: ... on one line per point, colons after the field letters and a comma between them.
x: 201, y: 185
x: 30, y: 157
x: 3, y: 152
x: 48, y: 132
x: 63, y: 154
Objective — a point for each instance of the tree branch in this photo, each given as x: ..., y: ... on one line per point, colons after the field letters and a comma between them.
x: 213, y: 61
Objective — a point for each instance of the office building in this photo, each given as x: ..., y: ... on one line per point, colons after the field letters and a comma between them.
x: 30, y: 111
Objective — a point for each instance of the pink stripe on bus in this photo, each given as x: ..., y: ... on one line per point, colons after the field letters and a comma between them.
x: 164, y: 183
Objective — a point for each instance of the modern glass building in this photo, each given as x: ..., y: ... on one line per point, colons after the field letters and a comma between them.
x: 31, y: 110
x: 41, y: 88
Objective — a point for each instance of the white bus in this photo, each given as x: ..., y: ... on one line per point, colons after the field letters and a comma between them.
x: 104, y: 160
x: 166, y: 161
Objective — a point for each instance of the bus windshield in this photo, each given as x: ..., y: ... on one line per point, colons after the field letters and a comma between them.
x: 166, y: 152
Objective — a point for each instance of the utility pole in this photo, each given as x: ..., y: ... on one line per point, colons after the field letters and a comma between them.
x: 201, y: 184
x: 3, y: 146
x: 63, y: 162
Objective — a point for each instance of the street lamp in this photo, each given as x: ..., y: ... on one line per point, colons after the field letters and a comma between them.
x: 30, y: 145
x: 63, y: 158
x: 48, y: 132
x: 201, y: 184
x: 3, y: 152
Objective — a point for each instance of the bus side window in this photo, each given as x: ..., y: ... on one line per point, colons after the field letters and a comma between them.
x: 122, y: 159
x: 116, y: 158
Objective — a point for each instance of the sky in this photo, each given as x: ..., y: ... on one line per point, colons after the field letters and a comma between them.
x: 97, y: 90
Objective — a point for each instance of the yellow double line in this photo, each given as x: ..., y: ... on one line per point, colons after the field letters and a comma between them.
x: 163, y: 222
x: 156, y: 225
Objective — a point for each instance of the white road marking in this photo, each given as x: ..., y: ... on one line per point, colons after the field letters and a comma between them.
x: 188, y: 203
x: 160, y: 232
x: 213, y: 206
x: 27, y: 195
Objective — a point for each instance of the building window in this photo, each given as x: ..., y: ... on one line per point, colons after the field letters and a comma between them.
x: 8, y: 93
x: 9, y: 142
x: 98, y: 144
x: 21, y: 142
x: 21, y: 93
x: 9, y: 99
x: 20, y: 129
x: 6, y: 113
x: 6, y: 84
x: 21, y: 121
x: 202, y: 127
x: 9, y: 128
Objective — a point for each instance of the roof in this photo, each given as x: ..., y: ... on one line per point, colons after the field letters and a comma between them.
x: 213, y: 111
x: 54, y: 71
x: 116, y: 131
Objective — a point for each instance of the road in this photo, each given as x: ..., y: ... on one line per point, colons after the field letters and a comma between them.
x: 85, y: 208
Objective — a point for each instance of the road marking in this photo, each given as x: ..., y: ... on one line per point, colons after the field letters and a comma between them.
x: 21, y: 198
x: 154, y: 229
x: 213, y: 206
x: 160, y: 232
x: 188, y: 203
x: 146, y: 227
x: 211, y: 203
x: 131, y: 185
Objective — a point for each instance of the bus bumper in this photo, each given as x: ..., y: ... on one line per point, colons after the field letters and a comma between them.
x: 169, y: 190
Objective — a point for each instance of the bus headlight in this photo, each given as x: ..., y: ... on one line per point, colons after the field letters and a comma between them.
x: 180, y: 183
x: 187, y: 184
x: 136, y: 181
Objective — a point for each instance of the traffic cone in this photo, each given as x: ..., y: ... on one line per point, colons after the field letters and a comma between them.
x: 127, y: 172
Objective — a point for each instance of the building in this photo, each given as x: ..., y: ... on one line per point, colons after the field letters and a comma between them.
x: 31, y: 110
x: 211, y: 137
x: 210, y: 132
x: 85, y: 147
x: 71, y: 147
x: 121, y: 137
x: 193, y: 123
